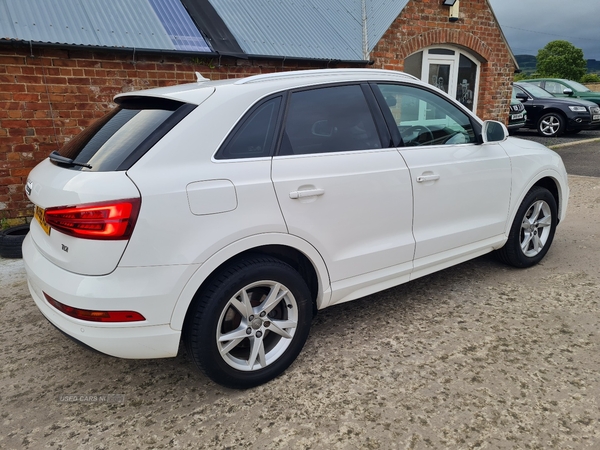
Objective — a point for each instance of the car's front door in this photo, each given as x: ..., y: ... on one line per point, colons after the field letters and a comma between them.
x: 461, y: 188
x: 341, y: 188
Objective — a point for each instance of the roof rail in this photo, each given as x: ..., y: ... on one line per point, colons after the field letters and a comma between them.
x: 319, y: 72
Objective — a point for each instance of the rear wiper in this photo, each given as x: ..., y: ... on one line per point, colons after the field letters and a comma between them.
x: 58, y: 158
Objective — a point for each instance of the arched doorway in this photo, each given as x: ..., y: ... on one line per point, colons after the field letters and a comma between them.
x: 453, y: 70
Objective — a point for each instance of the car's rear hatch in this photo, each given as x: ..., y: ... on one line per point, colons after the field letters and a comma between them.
x: 85, y: 204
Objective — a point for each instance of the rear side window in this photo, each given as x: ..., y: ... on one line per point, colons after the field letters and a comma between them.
x: 253, y: 138
x: 331, y: 119
x: 119, y: 139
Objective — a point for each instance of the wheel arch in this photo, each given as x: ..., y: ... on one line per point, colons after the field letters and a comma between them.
x: 550, y: 180
x: 552, y: 185
x: 550, y: 110
x: 292, y: 250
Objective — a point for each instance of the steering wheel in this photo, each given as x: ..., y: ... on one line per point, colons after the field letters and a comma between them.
x: 424, y: 135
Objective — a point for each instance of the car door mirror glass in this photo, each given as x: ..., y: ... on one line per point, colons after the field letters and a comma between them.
x: 494, y: 131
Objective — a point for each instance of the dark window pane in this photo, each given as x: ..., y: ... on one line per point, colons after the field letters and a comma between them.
x: 413, y: 65
x: 254, y: 138
x: 111, y: 140
x: 467, y: 75
x: 441, y: 51
x: 333, y: 119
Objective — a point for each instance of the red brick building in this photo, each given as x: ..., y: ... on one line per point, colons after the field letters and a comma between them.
x: 50, y: 91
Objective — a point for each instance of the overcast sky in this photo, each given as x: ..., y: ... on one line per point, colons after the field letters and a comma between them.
x: 530, y: 24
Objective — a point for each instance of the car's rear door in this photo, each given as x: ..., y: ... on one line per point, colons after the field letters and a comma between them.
x: 340, y: 185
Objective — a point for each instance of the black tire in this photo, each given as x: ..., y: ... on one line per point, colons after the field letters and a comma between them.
x: 532, y: 231
x: 11, y: 241
x: 231, y: 362
x: 551, y: 124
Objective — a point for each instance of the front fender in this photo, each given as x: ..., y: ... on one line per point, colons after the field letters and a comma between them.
x: 561, y: 186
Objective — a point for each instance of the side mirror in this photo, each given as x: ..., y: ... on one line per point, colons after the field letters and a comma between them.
x: 568, y: 91
x: 521, y: 96
x: 493, y: 131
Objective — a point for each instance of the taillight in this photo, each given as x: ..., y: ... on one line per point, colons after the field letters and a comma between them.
x: 105, y: 220
x: 95, y: 316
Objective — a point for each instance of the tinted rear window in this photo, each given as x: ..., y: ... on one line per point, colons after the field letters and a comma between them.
x: 119, y: 139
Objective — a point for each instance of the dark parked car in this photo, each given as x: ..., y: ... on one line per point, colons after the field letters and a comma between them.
x: 517, y: 116
x: 566, y: 88
x: 553, y: 116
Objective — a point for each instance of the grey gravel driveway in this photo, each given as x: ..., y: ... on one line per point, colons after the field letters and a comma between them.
x: 477, y: 356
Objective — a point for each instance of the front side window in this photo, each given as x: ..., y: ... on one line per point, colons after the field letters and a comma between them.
x: 424, y: 118
x: 331, y: 119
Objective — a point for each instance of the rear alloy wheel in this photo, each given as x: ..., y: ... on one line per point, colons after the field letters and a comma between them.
x: 551, y: 124
x: 250, y: 323
x: 532, y: 230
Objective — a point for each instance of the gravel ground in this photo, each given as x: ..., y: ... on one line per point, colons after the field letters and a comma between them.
x: 477, y: 356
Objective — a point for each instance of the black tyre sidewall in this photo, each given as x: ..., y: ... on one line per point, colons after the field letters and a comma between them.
x: 512, y: 253
x: 201, y: 327
x: 561, y: 128
x: 11, y: 241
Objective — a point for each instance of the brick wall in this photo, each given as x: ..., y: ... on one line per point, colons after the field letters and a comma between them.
x: 424, y: 23
x: 48, y: 95
x: 74, y: 87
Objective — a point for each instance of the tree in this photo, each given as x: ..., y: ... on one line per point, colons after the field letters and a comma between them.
x: 561, y: 59
x: 590, y: 78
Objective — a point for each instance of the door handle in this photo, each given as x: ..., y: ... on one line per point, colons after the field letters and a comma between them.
x: 307, y: 193
x: 423, y: 178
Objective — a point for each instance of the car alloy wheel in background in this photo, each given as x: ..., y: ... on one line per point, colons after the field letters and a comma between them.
x: 551, y: 125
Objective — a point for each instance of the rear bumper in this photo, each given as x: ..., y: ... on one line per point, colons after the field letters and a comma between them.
x: 151, y: 291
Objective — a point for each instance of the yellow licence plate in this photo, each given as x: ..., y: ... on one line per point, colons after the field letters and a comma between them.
x: 39, y: 216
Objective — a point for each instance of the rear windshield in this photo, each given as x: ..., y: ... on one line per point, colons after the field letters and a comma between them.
x: 124, y: 135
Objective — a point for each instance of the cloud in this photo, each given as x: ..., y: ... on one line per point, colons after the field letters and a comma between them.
x: 530, y: 24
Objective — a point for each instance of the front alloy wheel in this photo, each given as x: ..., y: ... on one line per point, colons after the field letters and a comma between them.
x: 250, y: 322
x: 532, y: 231
x: 551, y: 125
x: 535, y: 228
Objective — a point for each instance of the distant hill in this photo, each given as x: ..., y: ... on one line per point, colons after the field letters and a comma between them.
x: 527, y: 64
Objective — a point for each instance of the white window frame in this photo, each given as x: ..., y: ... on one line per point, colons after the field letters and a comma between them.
x: 454, y: 61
